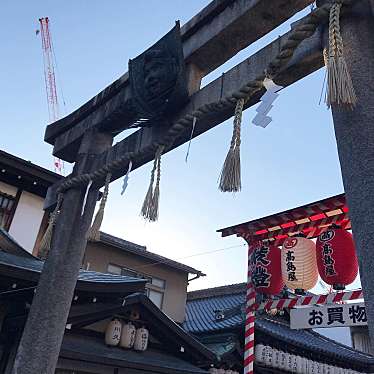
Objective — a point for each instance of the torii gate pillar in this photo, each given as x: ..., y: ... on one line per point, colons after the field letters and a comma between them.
x: 354, y: 131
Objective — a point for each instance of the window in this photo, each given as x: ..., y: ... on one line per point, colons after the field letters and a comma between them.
x: 6, y: 210
x: 114, y: 269
x: 156, y: 297
x: 120, y: 270
x: 155, y: 288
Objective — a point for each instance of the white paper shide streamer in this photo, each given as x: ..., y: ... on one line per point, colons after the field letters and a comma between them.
x: 262, y: 119
x: 126, y: 178
x: 85, y: 196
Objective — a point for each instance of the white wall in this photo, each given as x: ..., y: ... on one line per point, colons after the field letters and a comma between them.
x: 27, y: 220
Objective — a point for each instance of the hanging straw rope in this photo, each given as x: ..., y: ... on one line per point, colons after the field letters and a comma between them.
x: 339, y: 82
x: 230, y: 179
x: 299, y: 32
x: 45, y: 243
x: 150, y: 209
x: 94, y: 231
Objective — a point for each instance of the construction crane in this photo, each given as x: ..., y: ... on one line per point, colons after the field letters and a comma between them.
x: 50, y: 79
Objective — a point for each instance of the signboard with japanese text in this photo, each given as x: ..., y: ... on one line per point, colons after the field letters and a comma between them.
x: 335, y: 315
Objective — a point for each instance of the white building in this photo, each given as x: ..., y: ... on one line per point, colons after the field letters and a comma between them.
x: 23, y: 186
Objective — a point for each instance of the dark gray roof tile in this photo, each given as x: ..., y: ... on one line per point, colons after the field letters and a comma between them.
x: 142, y: 251
x: 34, y: 265
x: 200, y: 320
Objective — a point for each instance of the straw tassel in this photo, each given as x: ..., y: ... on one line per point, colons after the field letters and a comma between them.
x: 340, y: 89
x: 45, y: 243
x: 94, y: 231
x: 150, y: 206
x: 230, y: 179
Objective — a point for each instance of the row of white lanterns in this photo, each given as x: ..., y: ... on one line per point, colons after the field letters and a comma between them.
x: 269, y: 356
x: 222, y: 371
x: 126, y: 335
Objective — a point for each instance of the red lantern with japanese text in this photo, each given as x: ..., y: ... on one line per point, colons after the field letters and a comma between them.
x: 336, y: 257
x: 266, y: 269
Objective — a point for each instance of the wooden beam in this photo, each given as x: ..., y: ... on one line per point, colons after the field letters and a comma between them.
x: 307, y: 59
x: 213, y: 36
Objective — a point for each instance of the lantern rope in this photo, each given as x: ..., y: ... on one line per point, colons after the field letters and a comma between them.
x: 298, y: 33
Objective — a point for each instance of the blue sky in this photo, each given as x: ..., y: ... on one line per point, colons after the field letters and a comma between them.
x: 292, y: 162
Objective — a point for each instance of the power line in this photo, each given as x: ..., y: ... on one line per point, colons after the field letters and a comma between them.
x: 166, y: 261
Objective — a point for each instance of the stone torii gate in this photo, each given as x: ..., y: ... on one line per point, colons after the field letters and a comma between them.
x: 209, y: 39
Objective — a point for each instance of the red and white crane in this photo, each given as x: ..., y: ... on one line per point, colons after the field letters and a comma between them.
x: 50, y: 80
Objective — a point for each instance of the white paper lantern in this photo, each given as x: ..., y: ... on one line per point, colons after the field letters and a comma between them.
x: 308, y: 366
x: 113, y: 332
x: 141, y: 339
x: 260, y: 353
x: 221, y: 371
x: 276, y: 358
x: 289, y: 362
x: 299, y: 263
x: 294, y: 363
x: 300, y: 365
x: 269, y: 356
x: 283, y: 360
x: 331, y: 370
x: 213, y: 370
x: 128, y: 335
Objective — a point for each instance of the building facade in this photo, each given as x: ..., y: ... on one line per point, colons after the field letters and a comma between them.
x: 23, y: 188
x: 90, y: 344
x: 167, y: 279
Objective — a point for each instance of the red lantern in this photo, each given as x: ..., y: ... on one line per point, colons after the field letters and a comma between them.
x: 336, y: 257
x: 266, y: 269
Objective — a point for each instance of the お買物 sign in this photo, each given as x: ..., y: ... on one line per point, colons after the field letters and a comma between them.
x: 334, y: 315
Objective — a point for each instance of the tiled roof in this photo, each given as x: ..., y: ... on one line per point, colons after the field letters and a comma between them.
x: 200, y: 320
x: 311, y: 340
x: 142, y: 251
x: 10, y: 245
x: 200, y: 316
x: 230, y: 289
x: 35, y: 266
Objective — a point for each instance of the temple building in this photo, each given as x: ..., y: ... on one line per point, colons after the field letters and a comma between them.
x: 99, y: 298
x: 122, y: 282
x: 216, y: 317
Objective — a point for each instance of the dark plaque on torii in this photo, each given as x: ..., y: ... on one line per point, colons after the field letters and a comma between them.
x: 158, y: 80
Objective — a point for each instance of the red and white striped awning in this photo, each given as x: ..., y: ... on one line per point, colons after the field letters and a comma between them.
x: 310, y: 219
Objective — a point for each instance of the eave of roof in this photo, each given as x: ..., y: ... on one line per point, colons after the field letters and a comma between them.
x: 231, y: 289
x: 310, y: 219
x: 141, y: 251
x: 94, y: 350
x: 167, y: 330
x: 31, y: 177
x: 29, y: 269
x: 10, y: 245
